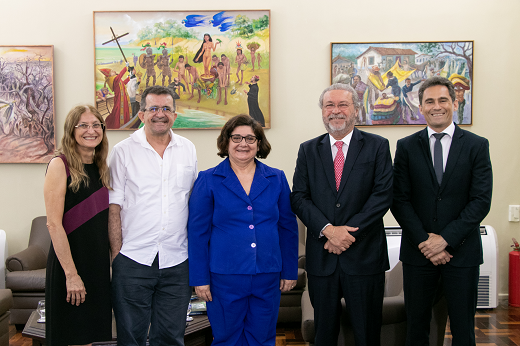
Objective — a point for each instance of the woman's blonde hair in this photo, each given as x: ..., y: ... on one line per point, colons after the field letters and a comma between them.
x: 68, y: 148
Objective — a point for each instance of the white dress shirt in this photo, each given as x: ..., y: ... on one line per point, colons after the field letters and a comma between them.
x: 334, y: 148
x: 346, y: 144
x: 153, y: 193
x: 445, y: 141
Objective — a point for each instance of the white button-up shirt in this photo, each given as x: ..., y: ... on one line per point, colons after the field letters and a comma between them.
x: 153, y: 193
x: 445, y: 141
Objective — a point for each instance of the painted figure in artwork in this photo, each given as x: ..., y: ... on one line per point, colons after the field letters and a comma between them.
x: 227, y: 66
x: 149, y: 64
x: 259, y: 60
x: 461, y: 84
x: 163, y: 62
x: 253, y: 47
x: 241, y: 62
x: 103, y: 93
x: 120, y: 114
x: 205, y: 52
x: 222, y: 82
x: 194, y: 80
x: 252, y: 100
x: 181, y: 71
x: 360, y: 89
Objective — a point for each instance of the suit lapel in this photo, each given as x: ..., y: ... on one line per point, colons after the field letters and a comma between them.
x: 456, y: 145
x: 355, y: 146
x: 424, y: 143
x: 326, y: 160
x: 260, y: 181
x: 231, y: 181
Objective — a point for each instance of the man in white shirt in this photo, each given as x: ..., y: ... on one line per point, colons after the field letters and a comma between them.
x: 442, y: 191
x: 152, y: 173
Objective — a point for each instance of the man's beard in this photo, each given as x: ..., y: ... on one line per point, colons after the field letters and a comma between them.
x: 338, y: 130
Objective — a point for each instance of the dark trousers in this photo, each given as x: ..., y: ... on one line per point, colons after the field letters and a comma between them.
x: 142, y: 295
x: 364, y: 301
x: 244, y: 309
x: 460, y: 287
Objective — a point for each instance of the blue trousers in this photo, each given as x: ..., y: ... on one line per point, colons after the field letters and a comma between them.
x: 142, y: 295
x: 244, y: 309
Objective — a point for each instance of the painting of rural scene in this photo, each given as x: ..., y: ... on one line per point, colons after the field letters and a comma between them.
x: 387, y: 77
x: 215, y: 62
x: 26, y: 104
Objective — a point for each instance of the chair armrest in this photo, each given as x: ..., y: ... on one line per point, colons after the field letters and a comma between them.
x: 308, y: 332
x: 31, y: 258
x: 302, y: 279
x: 301, y: 262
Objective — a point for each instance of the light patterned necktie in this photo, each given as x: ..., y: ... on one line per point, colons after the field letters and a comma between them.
x: 339, y: 161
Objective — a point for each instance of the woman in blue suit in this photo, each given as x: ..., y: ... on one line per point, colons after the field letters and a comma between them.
x: 242, y: 238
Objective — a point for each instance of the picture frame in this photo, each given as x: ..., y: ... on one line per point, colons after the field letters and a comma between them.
x: 27, y: 112
x: 159, y: 46
x: 394, y: 101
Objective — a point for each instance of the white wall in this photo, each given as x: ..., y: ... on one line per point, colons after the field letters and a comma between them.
x: 301, y: 33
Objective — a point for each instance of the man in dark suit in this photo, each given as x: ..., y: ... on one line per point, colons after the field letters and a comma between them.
x: 342, y: 188
x: 442, y: 191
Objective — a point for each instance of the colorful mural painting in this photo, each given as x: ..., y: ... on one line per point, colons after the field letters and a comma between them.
x: 27, y: 121
x: 387, y: 77
x: 216, y: 62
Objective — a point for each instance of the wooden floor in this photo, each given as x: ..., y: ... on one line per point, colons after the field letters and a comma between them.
x: 493, y: 327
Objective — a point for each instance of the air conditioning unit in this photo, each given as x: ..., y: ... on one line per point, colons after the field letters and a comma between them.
x: 488, y: 280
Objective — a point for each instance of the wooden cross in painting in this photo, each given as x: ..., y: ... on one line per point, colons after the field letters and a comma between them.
x: 115, y: 38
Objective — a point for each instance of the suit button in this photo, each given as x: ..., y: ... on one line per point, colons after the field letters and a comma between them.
x: 439, y: 199
x: 434, y: 219
x: 338, y: 205
x: 253, y: 245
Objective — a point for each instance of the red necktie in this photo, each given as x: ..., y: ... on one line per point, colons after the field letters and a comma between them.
x: 339, y: 161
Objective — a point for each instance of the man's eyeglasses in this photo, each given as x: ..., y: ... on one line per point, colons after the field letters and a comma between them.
x: 343, y: 106
x: 154, y: 110
x: 238, y: 139
x: 85, y: 127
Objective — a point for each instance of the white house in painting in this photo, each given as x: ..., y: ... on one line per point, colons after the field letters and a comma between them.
x: 385, y: 57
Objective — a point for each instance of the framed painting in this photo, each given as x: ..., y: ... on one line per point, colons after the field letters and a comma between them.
x: 215, y: 62
x: 387, y: 77
x: 27, y: 121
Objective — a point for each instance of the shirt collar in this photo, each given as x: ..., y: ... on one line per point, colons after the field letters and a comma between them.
x: 345, y: 140
x: 450, y: 130
x: 140, y: 137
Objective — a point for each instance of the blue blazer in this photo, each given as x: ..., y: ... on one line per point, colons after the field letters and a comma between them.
x: 230, y: 232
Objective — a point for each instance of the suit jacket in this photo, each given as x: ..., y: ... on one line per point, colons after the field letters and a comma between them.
x: 230, y: 232
x: 364, y: 196
x: 455, y: 208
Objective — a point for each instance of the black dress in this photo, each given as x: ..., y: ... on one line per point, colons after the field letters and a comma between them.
x: 85, y: 220
x: 254, y: 107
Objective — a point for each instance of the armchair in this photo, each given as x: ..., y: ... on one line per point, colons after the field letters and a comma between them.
x: 25, y: 274
x: 290, y: 302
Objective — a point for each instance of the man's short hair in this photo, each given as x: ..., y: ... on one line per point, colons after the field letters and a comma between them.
x: 264, y: 148
x: 155, y: 90
x: 187, y: 65
x: 389, y: 73
x: 181, y: 56
x: 408, y: 79
x: 433, y: 81
x: 357, y: 76
x: 341, y: 86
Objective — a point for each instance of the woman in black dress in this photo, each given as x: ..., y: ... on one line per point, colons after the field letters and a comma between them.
x: 252, y: 101
x: 77, y: 294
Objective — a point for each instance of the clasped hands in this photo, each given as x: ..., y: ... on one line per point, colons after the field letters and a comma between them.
x: 434, y: 249
x: 338, y: 238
